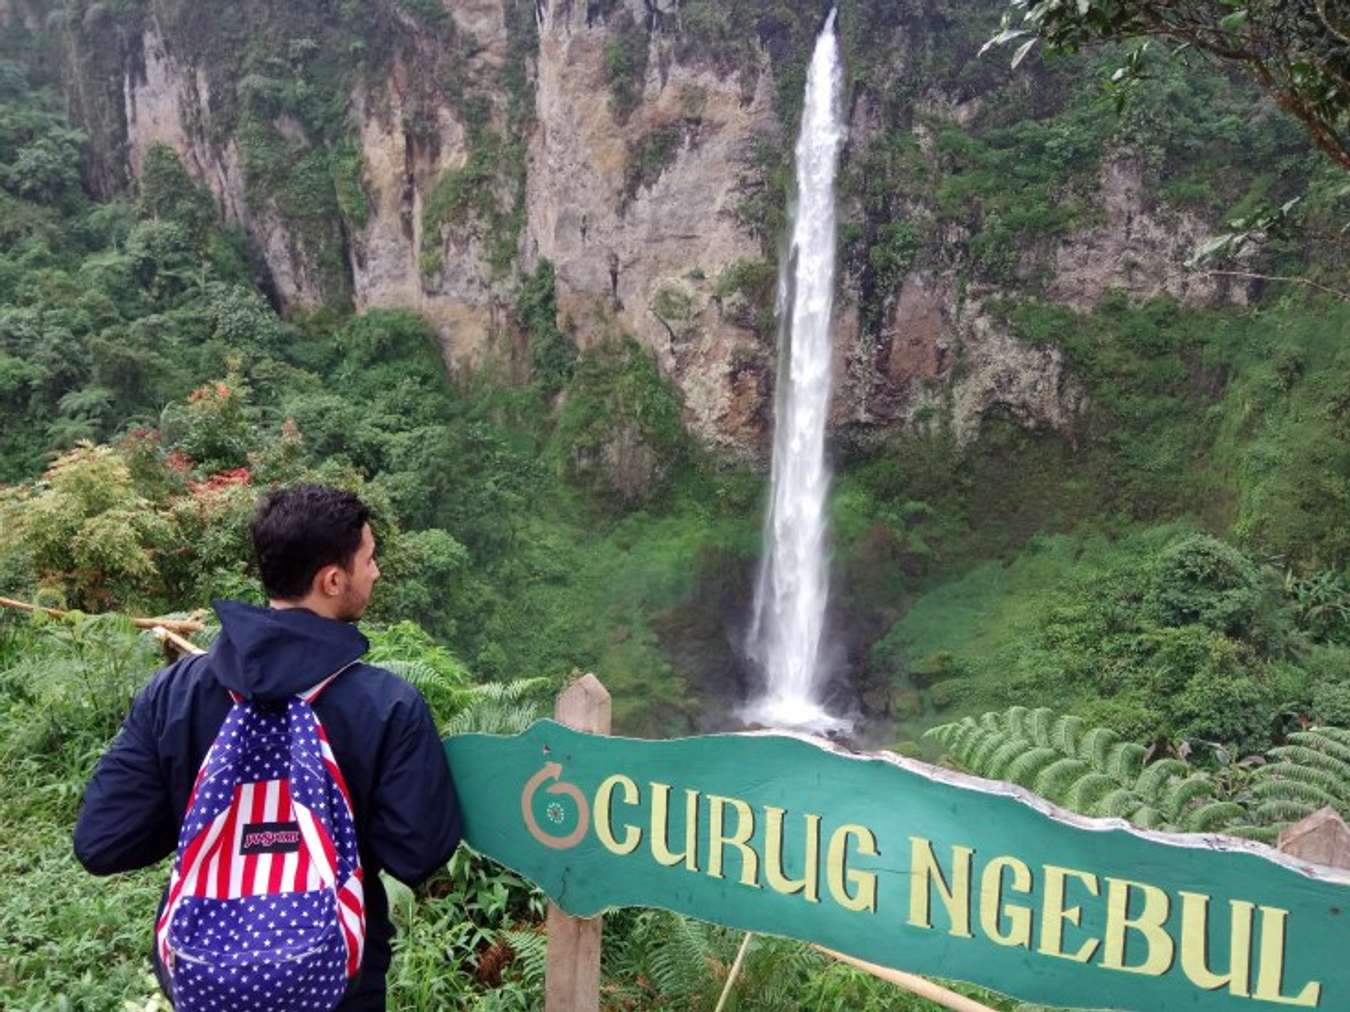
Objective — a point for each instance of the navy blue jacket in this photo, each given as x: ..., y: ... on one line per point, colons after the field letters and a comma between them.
x: 386, y: 744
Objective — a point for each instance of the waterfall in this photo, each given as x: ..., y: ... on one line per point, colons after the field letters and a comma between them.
x: 789, y: 609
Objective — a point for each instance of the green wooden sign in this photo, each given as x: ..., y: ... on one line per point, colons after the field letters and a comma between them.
x: 907, y: 866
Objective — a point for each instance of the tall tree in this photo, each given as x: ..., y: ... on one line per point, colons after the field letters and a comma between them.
x: 1297, y: 51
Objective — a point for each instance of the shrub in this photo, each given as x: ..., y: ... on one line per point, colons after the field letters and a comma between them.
x: 1201, y: 579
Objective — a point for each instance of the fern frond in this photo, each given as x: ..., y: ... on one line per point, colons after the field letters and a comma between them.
x: 980, y: 759
x: 944, y: 734
x: 992, y: 721
x: 1293, y: 790
x: 1304, y: 756
x: 1042, y: 723
x: 1156, y: 775
x: 1066, y: 734
x: 1214, y: 817
x: 970, y: 732
x: 1148, y: 817
x: 1005, y: 757
x: 1320, y: 778
x: 1261, y: 834
x: 1323, y: 740
x: 1015, y: 720
x: 1125, y: 762
x: 531, y: 951
x: 1028, y: 766
x: 679, y: 965
x: 1337, y: 734
x: 1096, y: 746
x: 1284, y: 810
x: 491, y: 717
x: 1118, y: 804
x: 1055, y: 780
x: 421, y: 675
x: 1179, y: 794
x: 1087, y: 791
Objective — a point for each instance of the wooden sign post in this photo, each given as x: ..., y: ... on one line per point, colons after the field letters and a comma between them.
x: 572, y: 976
x: 901, y: 865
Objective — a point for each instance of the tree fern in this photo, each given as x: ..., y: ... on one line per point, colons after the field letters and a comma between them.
x: 1055, y: 780
x: 1119, y: 804
x: 1333, y: 786
x: 1212, y: 817
x: 1086, y: 791
x: 981, y: 757
x: 1328, y: 740
x: 1091, y: 770
x: 1028, y: 766
x: 1066, y: 734
x: 1002, y: 761
x: 1095, y: 747
x: 1180, y: 794
x: 1042, y: 725
x: 1339, y: 735
x: 1015, y: 720
x: 1125, y: 761
x: 1148, y: 817
x: 1294, y: 791
x: 1153, y: 781
x: 1282, y: 811
x: 1302, y: 755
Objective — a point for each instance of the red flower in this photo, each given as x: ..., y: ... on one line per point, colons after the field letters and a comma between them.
x: 178, y: 461
x: 221, y: 480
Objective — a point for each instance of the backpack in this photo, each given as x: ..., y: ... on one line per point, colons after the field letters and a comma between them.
x: 265, y: 908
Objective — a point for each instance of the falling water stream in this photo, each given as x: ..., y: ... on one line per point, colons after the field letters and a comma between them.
x: 788, y: 623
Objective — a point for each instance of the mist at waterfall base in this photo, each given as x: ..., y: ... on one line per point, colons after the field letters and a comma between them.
x: 785, y: 643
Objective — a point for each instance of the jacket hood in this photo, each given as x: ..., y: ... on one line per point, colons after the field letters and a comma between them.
x: 274, y: 653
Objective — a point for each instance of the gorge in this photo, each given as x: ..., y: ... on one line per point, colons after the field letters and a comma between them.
x: 787, y: 634
x: 577, y: 208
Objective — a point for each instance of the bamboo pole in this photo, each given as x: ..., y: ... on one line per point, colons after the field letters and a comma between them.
x: 735, y: 971
x: 178, y: 625
x: 172, y: 639
x: 915, y: 985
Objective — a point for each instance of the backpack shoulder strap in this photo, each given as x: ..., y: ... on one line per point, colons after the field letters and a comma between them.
x: 311, y: 694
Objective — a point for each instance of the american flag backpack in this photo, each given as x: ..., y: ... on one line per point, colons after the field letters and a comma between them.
x: 265, y: 908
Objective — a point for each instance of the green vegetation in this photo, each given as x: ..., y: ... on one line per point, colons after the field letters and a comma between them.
x: 625, y: 62
x: 654, y: 152
x: 1094, y: 771
x: 1172, y: 570
x: 553, y: 353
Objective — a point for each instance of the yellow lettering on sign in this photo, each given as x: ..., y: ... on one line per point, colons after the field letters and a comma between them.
x: 925, y: 873
x: 1056, y: 913
x: 991, y: 903
x: 661, y: 828
x: 718, y: 840
x: 604, y: 827
x: 839, y: 875
x: 1270, y: 969
x: 1159, y: 947
x: 1195, y: 945
x: 809, y: 883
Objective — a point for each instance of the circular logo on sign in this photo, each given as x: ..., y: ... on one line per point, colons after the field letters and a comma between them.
x: 555, y: 812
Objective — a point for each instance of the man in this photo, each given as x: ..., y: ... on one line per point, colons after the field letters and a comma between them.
x: 316, y: 557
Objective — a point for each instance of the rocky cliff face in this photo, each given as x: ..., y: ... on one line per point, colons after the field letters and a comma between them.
x: 605, y: 137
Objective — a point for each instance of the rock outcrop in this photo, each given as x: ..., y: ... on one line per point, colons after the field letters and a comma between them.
x: 482, y: 148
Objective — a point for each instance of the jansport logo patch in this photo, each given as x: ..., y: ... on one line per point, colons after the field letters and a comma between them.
x: 270, y: 838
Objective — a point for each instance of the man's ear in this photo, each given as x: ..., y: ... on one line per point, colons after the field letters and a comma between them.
x: 328, y: 581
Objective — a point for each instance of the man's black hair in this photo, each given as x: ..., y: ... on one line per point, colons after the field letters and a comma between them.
x: 299, y: 530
